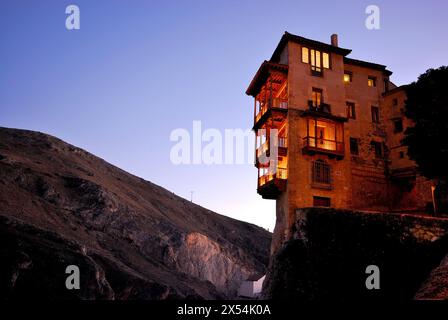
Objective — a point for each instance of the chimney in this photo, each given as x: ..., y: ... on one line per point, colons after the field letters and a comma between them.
x: 334, y: 39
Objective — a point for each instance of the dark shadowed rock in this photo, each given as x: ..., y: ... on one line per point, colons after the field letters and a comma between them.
x: 60, y: 205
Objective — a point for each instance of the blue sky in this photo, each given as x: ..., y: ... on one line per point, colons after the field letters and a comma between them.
x: 136, y: 70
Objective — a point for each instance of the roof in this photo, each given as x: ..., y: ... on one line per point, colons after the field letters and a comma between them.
x: 262, y: 74
x: 366, y: 64
x: 395, y: 90
x: 315, y: 44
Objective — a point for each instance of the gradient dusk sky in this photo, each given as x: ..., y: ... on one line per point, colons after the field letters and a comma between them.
x: 138, y: 69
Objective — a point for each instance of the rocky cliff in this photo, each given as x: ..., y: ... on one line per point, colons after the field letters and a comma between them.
x: 131, y: 239
x: 328, y: 255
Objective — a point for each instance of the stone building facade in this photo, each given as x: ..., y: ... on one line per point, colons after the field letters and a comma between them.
x: 328, y: 133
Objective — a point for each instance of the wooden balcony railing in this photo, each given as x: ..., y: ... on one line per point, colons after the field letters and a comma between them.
x: 281, y: 174
x: 276, y: 103
x: 265, y: 147
x: 322, y: 108
x: 323, y: 145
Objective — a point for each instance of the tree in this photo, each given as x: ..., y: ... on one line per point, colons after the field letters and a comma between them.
x: 427, y: 140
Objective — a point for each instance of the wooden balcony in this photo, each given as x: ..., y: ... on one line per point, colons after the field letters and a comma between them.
x: 271, y: 185
x: 313, y: 145
x: 265, y: 150
x: 275, y: 108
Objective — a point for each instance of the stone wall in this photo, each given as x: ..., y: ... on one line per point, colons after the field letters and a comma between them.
x: 329, y: 250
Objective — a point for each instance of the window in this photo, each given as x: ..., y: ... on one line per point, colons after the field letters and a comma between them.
x: 305, y: 55
x: 317, y: 97
x: 398, y: 125
x: 317, y: 59
x: 326, y: 60
x: 321, y: 202
x: 371, y: 81
x: 395, y: 102
x: 348, y: 76
x: 401, y: 154
x: 351, y: 112
x: 378, y: 148
x: 354, y: 146
x: 321, y: 172
x: 325, y: 135
x: 375, y: 114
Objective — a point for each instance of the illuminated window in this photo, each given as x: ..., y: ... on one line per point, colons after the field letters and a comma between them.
x: 375, y: 114
x: 351, y: 112
x: 317, y: 97
x: 347, y: 77
x: 305, y: 55
x: 317, y: 59
x: 371, y: 81
x: 326, y: 60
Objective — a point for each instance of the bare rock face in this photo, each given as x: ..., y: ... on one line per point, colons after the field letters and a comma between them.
x: 206, y: 259
x: 131, y: 239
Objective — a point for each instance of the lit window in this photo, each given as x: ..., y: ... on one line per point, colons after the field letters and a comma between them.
x: 371, y: 82
x: 305, y: 55
x: 326, y: 60
x: 317, y: 97
x: 347, y: 77
x: 317, y: 59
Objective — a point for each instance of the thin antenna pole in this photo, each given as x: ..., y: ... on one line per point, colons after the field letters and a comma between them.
x: 191, y: 198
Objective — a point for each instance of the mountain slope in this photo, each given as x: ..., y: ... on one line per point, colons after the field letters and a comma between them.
x: 61, y: 205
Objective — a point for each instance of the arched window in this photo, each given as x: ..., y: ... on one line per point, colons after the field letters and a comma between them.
x: 321, y: 172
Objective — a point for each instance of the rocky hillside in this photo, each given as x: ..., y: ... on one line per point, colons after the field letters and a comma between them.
x: 131, y: 239
x: 331, y: 249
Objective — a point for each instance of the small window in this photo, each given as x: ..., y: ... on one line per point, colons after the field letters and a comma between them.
x: 398, y: 125
x: 375, y: 114
x: 348, y: 77
x: 321, y: 202
x: 317, y: 97
x: 401, y: 154
x: 395, y: 102
x: 326, y: 60
x: 378, y: 148
x: 354, y: 146
x: 321, y: 172
x: 316, y: 62
x: 351, y: 112
x: 305, y: 55
x: 371, y: 81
